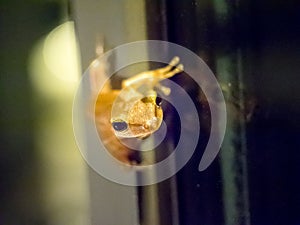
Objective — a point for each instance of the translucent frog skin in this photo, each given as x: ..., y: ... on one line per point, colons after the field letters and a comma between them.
x: 135, y: 112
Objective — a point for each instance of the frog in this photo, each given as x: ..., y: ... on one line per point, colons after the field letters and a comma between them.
x: 136, y: 112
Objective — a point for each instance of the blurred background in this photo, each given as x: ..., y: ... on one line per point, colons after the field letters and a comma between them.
x: 43, y: 178
x: 253, y: 48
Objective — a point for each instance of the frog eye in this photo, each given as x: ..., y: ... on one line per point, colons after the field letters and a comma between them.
x: 119, y: 125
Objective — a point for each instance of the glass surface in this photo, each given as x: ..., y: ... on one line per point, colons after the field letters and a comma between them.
x: 251, y: 46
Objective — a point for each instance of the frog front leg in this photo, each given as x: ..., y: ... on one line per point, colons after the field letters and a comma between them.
x: 169, y: 71
x: 154, y: 76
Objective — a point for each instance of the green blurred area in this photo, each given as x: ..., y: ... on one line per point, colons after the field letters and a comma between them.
x: 42, y: 179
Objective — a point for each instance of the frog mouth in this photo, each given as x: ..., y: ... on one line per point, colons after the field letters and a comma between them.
x: 125, y: 130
